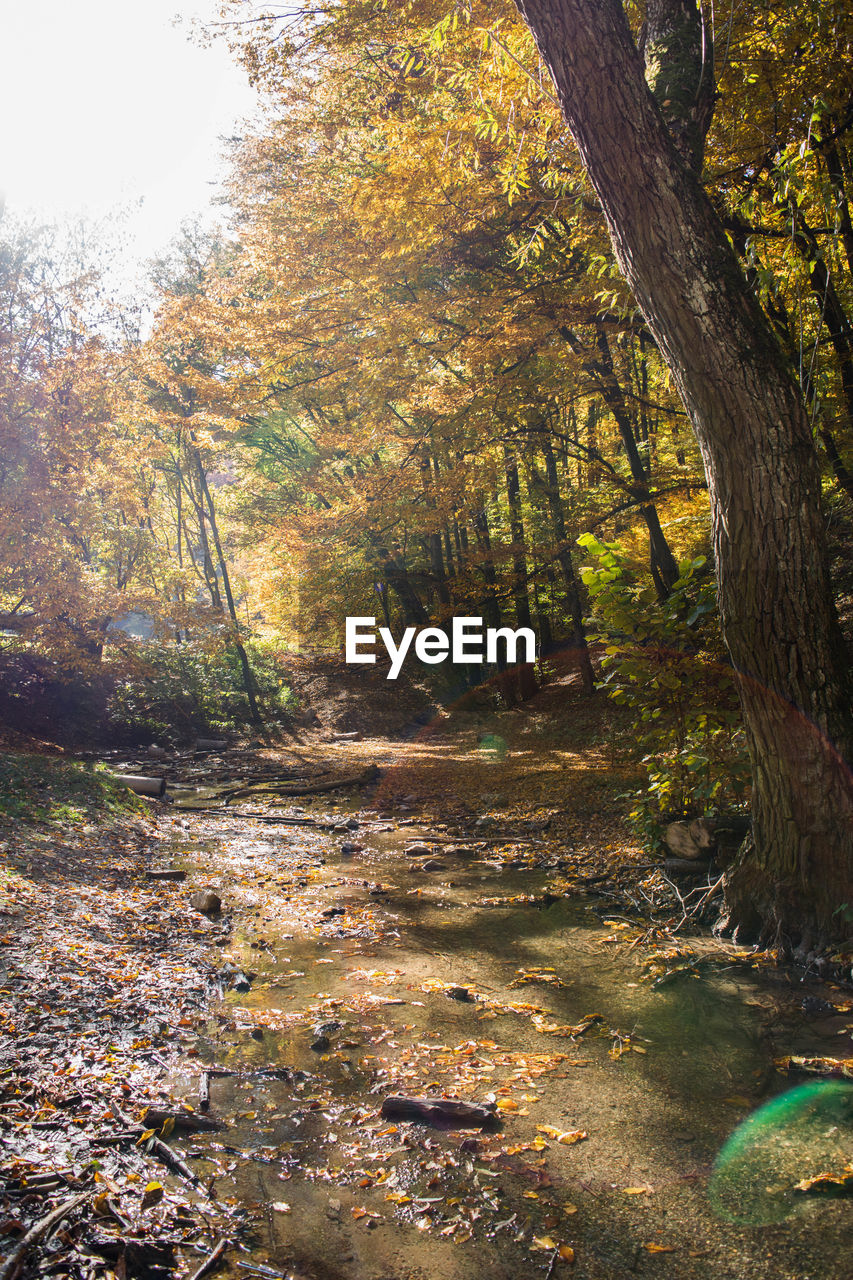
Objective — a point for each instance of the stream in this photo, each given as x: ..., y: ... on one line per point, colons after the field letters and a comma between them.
x: 617, y: 1072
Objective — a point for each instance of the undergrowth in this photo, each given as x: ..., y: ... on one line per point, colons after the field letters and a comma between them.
x: 35, y: 788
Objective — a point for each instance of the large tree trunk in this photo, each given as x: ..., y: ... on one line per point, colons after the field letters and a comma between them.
x: 748, y: 415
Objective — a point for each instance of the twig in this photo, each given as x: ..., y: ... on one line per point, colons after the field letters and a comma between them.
x: 712, y: 890
x: 15, y: 1260
x: 161, y: 1149
x: 552, y: 1264
x: 211, y: 1259
x: 204, y: 1091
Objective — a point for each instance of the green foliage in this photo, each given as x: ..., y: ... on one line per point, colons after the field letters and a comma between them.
x: 189, y: 689
x: 41, y: 788
x: 664, y: 662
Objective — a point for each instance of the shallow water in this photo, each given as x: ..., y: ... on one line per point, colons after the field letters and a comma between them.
x: 657, y: 1082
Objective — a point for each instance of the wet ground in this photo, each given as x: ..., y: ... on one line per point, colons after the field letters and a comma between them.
x: 356, y: 970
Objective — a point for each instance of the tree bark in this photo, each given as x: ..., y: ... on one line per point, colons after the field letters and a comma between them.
x: 564, y: 556
x: 748, y: 414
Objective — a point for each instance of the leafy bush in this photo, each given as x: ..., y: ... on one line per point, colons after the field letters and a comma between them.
x: 664, y: 661
x: 179, y: 691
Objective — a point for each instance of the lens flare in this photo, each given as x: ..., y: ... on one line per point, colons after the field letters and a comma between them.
x: 801, y: 1135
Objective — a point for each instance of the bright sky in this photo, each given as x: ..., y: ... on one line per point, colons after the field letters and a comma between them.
x: 106, y: 102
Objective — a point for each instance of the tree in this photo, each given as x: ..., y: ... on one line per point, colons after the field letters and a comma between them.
x: 794, y: 878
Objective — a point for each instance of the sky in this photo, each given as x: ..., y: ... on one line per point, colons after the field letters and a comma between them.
x: 110, y: 110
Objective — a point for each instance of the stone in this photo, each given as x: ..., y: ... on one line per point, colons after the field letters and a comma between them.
x: 433, y: 864
x: 206, y: 901
x: 417, y: 851
x: 351, y: 848
x: 690, y: 839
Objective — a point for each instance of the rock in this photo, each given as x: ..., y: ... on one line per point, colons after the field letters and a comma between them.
x: 690, y: 839
x: 353, y: 824
x: 433, y: 864
x: 171, y: 873
x: 333, y: 911
x: 460, y: 993
x: 461, y: 851
x: 206, y: 901
x: 257, y: 1033
x: 328, y: 1028
x: 351, y: 848
x: 417, y: 851
x: 321, y: 1044
x: 235, y: 979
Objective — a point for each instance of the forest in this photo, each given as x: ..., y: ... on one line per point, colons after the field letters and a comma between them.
x: 538, y: 314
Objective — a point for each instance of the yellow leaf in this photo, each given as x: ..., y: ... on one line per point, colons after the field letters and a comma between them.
x: 636, y: 1191
x: 572, y: 1136
x: 651, y: 1247
x: 152, y: 1195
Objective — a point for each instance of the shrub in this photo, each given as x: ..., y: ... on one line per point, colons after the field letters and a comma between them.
x: 180, y: 691
x: 664, y: 661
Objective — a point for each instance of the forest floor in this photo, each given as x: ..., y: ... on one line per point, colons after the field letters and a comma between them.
x: 477, y: 925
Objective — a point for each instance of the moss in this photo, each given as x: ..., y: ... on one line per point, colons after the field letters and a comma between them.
x: 35, y: 788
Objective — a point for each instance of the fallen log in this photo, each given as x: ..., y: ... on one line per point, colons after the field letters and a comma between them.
x: 210, y: 744
x: 441, y: 1112
x: 264, y: 785
x: 171, y: 873
x: 142, y: 786
x: 184, y: 1121
x: 687, y: 866
x: 363, y: 779
x: 284, y: 788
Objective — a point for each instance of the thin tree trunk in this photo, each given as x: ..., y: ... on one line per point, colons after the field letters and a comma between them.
x: 564, y: 556
x: 527, y: 674
x: 248, y: 679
